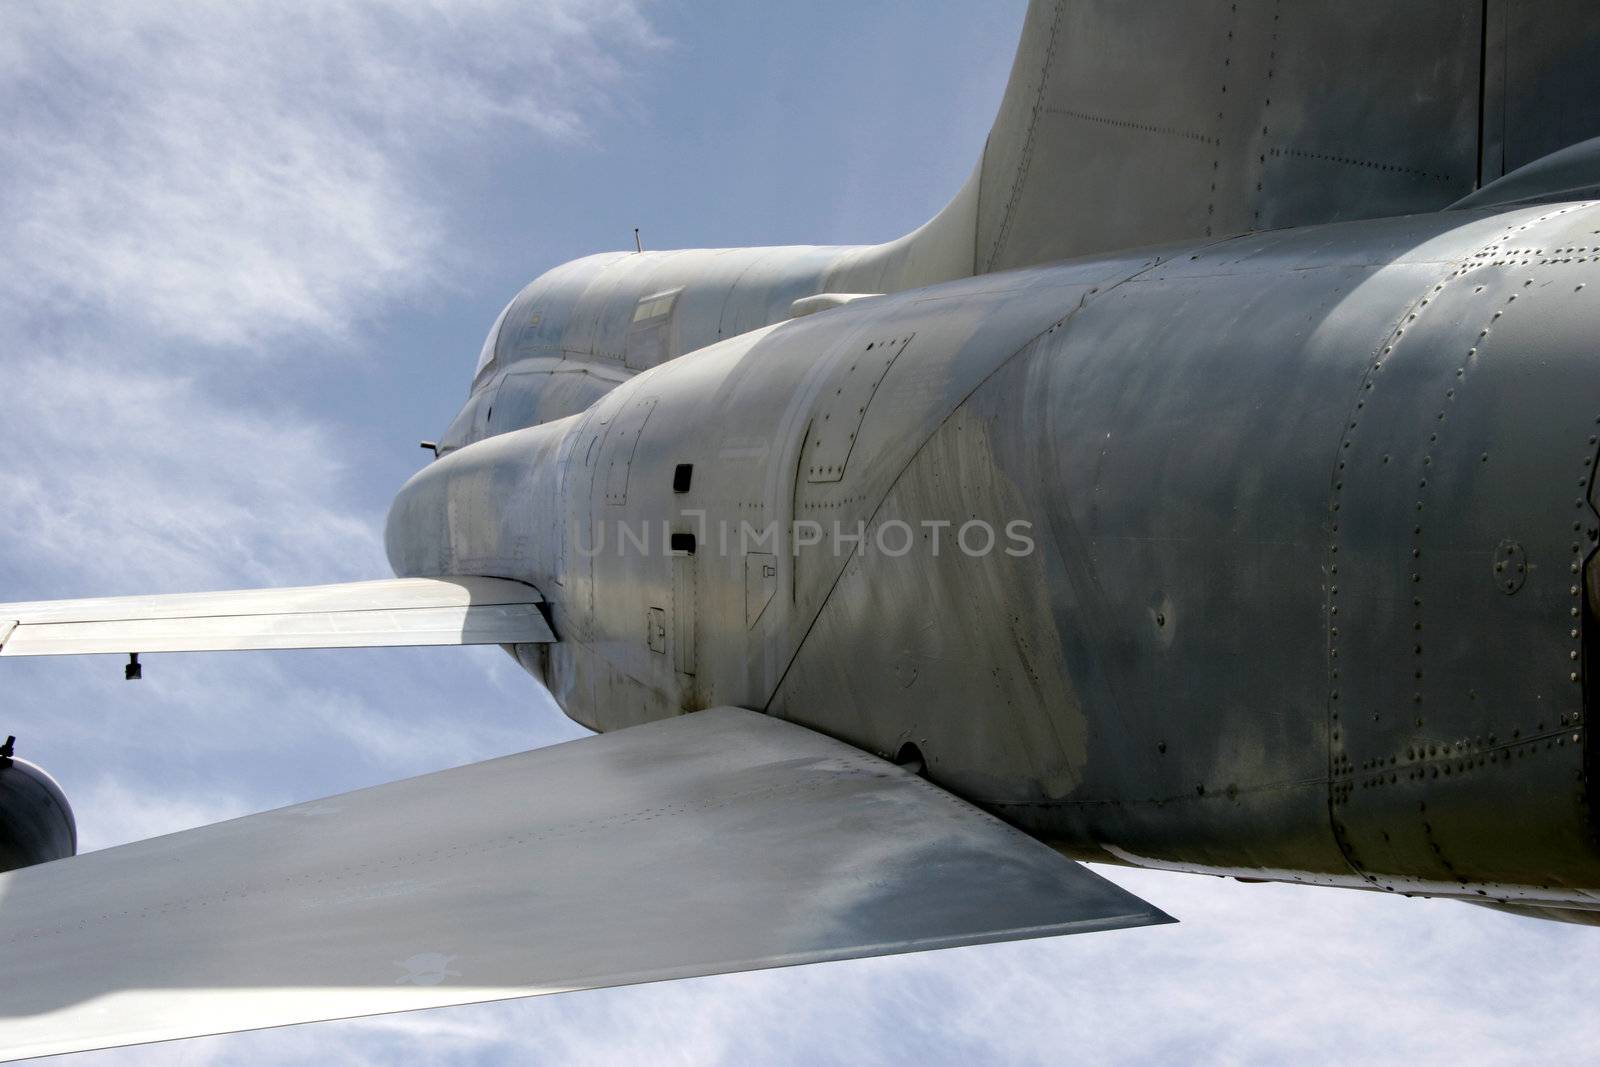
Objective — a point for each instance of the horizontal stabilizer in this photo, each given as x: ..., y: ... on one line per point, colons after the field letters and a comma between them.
x: 403, y: 611
x: 719, y: 841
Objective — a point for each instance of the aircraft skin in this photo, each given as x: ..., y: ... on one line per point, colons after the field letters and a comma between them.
x: 1276, y: 484
x: 1264, y: 630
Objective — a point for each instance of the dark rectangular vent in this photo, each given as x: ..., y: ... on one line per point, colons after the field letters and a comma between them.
x: 682, y: 475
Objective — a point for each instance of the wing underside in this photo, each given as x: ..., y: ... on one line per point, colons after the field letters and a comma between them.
x: 720, y: 841
x: 404, y: 611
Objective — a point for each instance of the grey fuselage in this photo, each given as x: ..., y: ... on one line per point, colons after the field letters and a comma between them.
x: 1309, y: 516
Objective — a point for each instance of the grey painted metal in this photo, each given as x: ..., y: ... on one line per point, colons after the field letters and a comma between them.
x: 36, y: 822
x: 1209, y: 661
x: 723, y: 841
x: 1570, y: 174
x: 1541, y: 76
x: 1125, y: 124
x: 466, y: 610
x: 1131, y: 123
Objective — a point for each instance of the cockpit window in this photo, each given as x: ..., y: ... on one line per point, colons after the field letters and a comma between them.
x: 486, y: 356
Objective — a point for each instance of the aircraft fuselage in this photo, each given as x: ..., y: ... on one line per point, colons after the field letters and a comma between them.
x: 1265, y: 557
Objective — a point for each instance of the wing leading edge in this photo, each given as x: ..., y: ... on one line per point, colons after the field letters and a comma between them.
x: 720, y: 841
x: 402, y: 611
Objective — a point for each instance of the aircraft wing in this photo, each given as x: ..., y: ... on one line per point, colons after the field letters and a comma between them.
x: 719, y: 841
x: 403, y: 611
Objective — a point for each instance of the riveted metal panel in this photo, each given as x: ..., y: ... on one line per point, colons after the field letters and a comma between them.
x: 1541, y: 80
x: 1155, y: 684
x: 655, y: 629
x: 760, y: 582
x: 1180, y: 545
x: 1459, y: 526
x: 843, y: 406
x: 1126, y: 124
x: 1155, y: 441
x: 622, y: 439
x: 1332, y: 136
x: 1172, y: 442
x: 683, y: 613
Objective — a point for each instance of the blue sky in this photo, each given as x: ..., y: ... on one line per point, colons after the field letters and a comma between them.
x: 248, y: 252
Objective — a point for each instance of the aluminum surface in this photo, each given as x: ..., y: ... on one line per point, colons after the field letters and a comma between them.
x: 1211, y: 659
x: 1570, y: 174
x: 722, y: 841
x: 388, y: 612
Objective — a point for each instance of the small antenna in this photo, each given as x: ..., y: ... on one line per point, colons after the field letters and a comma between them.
x: 638, y: 245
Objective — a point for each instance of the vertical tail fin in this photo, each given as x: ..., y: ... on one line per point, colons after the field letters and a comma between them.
x: 1129, y: 124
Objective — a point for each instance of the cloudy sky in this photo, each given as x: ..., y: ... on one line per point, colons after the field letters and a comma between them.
x: 248, y: 252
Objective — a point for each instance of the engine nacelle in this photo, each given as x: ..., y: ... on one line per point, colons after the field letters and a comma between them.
x: 36, y: 823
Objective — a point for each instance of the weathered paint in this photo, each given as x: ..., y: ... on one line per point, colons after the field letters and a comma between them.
x: 1220, y: 451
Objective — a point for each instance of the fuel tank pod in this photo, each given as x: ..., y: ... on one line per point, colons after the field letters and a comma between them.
x: 36, y: 823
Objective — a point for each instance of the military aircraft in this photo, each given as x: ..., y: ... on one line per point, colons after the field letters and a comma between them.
x: 1209, y: 487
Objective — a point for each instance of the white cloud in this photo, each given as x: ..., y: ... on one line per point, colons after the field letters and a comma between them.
x: 124, y: 811
x: 235, y: 175
x: 132, y: 480
x: 226, y: 172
